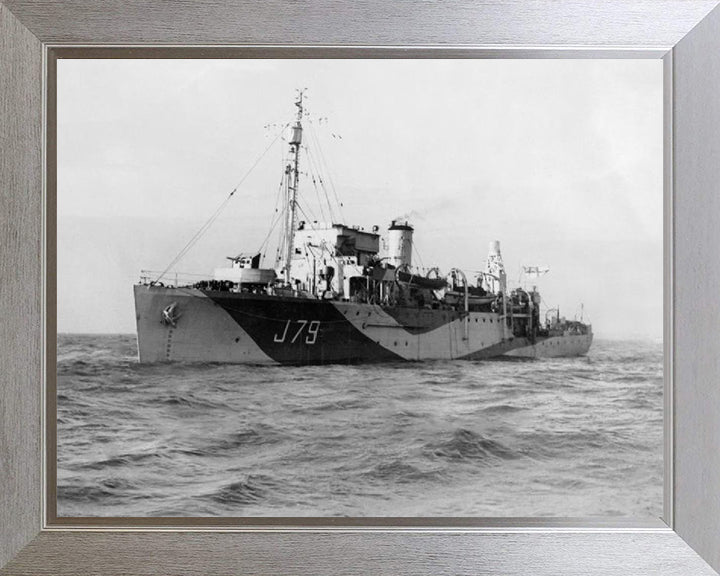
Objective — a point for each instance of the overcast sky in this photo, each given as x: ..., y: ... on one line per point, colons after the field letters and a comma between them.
x: 560, y: 160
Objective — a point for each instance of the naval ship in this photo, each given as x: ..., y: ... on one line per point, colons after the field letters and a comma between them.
x: 333, y: 296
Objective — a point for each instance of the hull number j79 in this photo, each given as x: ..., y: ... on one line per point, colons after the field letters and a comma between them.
x: 296, y: 332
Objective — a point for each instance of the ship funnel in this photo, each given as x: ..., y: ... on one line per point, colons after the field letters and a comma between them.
x: 495, y: 268
x: 400, y: 243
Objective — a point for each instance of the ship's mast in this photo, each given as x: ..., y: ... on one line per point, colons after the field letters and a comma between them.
x: 292, y: 173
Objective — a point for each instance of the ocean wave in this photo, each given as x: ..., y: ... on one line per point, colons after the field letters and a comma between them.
x: 344, y: 404
x: 186, y: 400
x: 104, y: 491
x: 502, y: 409
x: 249, y: 490
x: 551, y: 444
x: 399, y: 472
x: 566, y: 483
x: 78, y: 493
x: 637, y: 378
x: 117, y: 484
x: 76, y: 368
x: 468, y: 445
x: 251, y: 437
x: 407, y: 417
x: 120, y: 461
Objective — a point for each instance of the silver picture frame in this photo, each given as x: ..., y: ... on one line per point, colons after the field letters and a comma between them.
x: 685, y: 34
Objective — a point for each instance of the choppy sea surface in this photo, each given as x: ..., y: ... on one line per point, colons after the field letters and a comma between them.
x: 550, y: 437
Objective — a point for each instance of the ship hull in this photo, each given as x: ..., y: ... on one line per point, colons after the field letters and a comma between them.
x: 567, y: 345
x: 192, y: 325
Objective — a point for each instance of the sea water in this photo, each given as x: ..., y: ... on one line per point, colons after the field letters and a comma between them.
x: 545, y: 437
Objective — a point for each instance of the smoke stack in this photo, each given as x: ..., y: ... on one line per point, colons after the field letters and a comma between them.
x: 400, y: 243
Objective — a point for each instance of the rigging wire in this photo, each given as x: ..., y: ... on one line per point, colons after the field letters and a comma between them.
x: 311, y: 173
x: 197, y: 236
x: 320, y: 204
x: 307, y: 218
x: 417, y: 253
x: 299, y: 207
x: 264, y: 246
x: 316, y: 171
x: 263, y: 250
x: 324, y: 161
x: 282, y: 129
x: 277, y: 216
x: 314, y: 175
x: 204, y: 228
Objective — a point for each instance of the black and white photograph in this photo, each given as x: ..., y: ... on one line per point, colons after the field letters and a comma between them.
x: 359, y: 288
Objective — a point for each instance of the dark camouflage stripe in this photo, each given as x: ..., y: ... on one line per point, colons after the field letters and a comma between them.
x: 299, y: 331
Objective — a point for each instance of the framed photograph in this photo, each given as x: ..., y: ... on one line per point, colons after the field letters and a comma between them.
x: 373, y: 351
x: 399, y: 282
